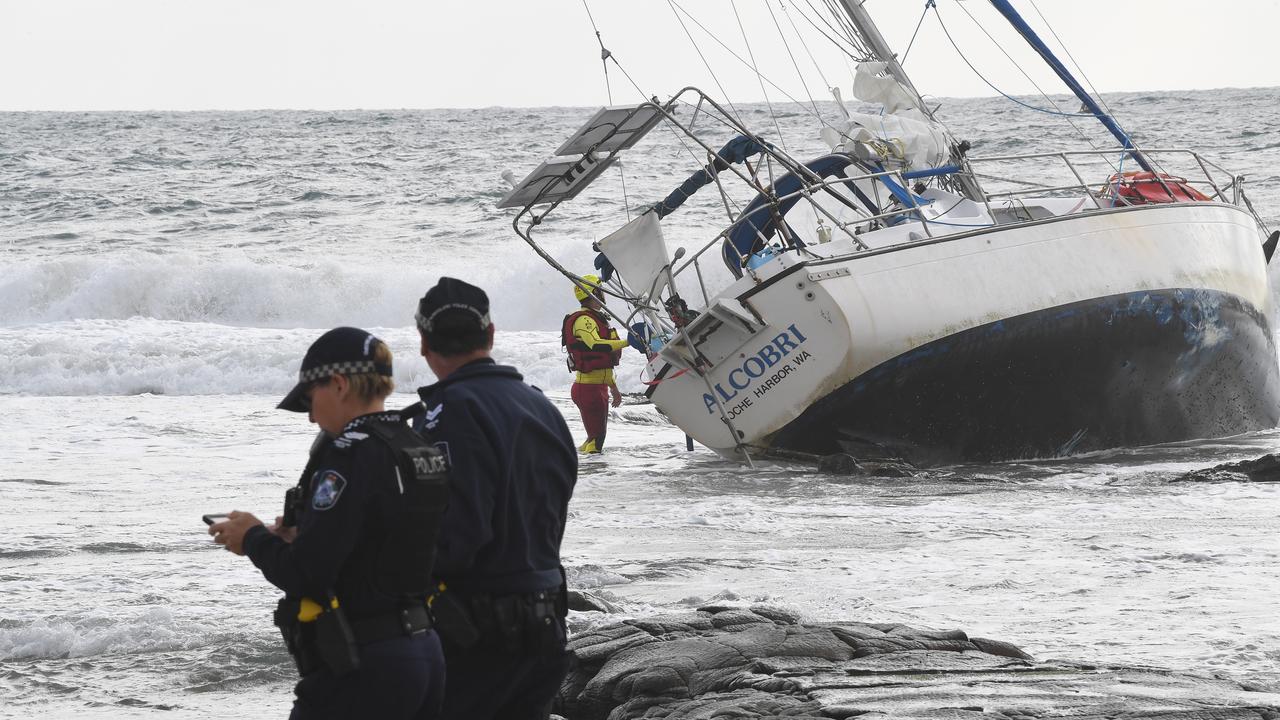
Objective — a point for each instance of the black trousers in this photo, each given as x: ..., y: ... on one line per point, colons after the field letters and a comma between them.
x: 489, y: 684
x: 399, y: 679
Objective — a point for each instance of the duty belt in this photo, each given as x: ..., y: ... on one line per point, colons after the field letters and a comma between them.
x: 327, y: 639
x: 408, y: 621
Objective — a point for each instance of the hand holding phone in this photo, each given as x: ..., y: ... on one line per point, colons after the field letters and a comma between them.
x: 231, y: 529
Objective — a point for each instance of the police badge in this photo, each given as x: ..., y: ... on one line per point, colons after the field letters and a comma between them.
x: 329, y: 485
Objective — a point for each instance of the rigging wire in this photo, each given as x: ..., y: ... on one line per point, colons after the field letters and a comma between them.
x: 673, y: 5
x: 991, y: 85
x: 737, y: 57
x: 604, y: 65
x: 697, y: 159
x: 839, y: 19
x: 845, y: 53
x: 1096, y: 95
x: 867, y: 54
x: 837, y: 41
x: 1019, y: 67
x: 850, y: 32
x: 679, y: 138
x: 1084, y: 135
x: 604, y: 52
x: 760, y: 78
x: 1079, y: 69
x: 794, y: 64
x: 807, y: 51
x: 928, y: 4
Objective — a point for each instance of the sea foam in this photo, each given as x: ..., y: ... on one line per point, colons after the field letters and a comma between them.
x: 153, y: 629
x: 318, y: 291
x: 165, y: 357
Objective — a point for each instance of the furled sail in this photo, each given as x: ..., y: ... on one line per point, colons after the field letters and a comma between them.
x: 903, y: 136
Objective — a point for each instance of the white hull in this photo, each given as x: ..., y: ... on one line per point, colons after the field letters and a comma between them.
x: 828, y: 322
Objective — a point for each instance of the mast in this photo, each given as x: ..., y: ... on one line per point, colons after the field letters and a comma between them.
x: 1036, y: 43
x: 866, y: 27
x: 871, y: 35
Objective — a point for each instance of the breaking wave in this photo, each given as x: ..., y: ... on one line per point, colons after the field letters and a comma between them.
x: 163, y: 357
x: 153, y: 629
x: 243, y: 291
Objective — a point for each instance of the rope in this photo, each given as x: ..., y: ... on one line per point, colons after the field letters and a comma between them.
x: 1265, y: 230
x: 1079, y: 131
x: 655, y: 383
x: 991, y: 85
x: 1028, y: 183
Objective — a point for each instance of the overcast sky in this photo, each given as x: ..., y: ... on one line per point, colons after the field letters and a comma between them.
x: 319, y: 54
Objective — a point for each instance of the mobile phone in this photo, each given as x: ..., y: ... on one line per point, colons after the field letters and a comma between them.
x: 214, y: 518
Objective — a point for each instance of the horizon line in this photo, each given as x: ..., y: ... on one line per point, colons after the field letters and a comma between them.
x: 573, y: 105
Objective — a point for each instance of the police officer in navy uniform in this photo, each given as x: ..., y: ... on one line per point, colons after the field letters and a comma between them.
x: 354, y: 551
x: 512, y: 467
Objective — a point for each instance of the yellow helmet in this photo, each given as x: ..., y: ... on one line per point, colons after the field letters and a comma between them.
x: 582, y: 293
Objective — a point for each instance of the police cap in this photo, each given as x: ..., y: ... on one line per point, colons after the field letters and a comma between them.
x: 452, y: 297
x: 341, y: 351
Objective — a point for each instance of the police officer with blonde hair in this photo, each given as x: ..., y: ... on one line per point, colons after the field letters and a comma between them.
x: 354, y: 550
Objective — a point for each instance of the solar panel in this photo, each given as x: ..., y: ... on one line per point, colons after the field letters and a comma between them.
x: 627, y: 123
x: 557, y: 178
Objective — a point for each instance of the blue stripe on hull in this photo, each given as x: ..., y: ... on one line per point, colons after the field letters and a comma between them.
x: 1125, y: 370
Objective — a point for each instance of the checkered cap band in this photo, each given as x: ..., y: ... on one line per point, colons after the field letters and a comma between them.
x: 426, y: 322
x: 350, y: 367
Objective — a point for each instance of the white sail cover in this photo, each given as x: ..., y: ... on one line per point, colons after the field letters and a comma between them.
x: 903, y: 133
x: 871, y: 84
x: 639, y: 253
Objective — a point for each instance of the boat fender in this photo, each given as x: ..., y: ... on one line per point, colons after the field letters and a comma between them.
x: 1269, y: 246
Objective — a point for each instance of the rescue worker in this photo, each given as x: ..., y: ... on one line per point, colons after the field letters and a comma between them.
x: 594, y: 350
x: 354, y: 550
x: 502, y: 600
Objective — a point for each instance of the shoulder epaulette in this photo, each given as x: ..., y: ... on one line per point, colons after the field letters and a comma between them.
x: 349, y: 438
x: 432, y: 416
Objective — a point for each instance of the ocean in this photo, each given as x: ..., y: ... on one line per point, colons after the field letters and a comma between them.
x: 161, y: 275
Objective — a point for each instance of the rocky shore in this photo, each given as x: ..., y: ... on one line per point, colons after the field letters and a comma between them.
x: 762, y: 662
x: 1265, y: 469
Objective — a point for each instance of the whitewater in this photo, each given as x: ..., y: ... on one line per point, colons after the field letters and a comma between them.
x: 161, y: 275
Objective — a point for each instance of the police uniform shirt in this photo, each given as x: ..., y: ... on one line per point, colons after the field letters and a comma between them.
x: 512, y: 468
x: 341, y: 524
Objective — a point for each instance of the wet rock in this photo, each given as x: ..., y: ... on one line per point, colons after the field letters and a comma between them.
x: 583, y: 601
x: 1263, y: 469
x: 890, y: 469
x: 840, y: 464
x: 778, y: 615
x: 725, y: 662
